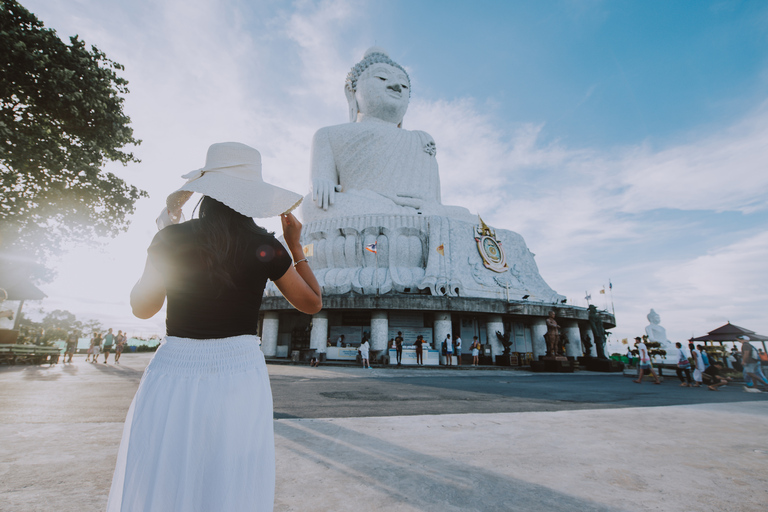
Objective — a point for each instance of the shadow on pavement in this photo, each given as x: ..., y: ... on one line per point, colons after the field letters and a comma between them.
x: 416, y: 479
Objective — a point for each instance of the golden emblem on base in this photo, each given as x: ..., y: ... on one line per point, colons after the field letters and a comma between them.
x: 490, y: 248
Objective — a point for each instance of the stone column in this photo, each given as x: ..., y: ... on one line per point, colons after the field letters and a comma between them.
x: 318, y: 338
x: 379, y: 330
x: 269, y: 328
x: 538, y: 330
x: 440, y: 330
x: 492, y: 324
x: 571, y: 329
x: 586, y: 330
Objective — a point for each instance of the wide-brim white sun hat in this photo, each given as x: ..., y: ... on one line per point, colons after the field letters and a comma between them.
x: 232, y: 175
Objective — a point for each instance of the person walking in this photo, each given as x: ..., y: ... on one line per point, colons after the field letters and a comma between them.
x: 96, y: 347
x: 89, y: 352
x: 120, y: 341
x: 704, y: 357
x: 71, y: 347
x: 712, y: 377
x: 750, y: 360
x: 419, y: 350
x: 109, y: 339
x: 698, y: 372
x: 199, y: 434
x: 475, y: 351
x: 683, y: 366
x: 645, y: 362
x: 457, y: 344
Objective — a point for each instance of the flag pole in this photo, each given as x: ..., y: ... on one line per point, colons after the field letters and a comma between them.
x: 610, y: 289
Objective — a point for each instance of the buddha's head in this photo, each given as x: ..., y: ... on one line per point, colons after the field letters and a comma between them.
x: 654, y: 317
x: 378, y: 87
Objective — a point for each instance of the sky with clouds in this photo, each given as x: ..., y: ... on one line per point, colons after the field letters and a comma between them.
x: 625, y: 140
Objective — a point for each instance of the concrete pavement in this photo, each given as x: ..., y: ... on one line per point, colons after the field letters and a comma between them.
x: 60, y: 428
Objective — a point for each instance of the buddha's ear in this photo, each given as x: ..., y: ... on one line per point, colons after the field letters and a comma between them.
x: 352, y: 102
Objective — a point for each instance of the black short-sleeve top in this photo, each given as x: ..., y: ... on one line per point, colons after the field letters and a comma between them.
x: 199, y: 307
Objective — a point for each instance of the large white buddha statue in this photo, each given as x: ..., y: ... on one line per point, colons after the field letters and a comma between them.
x: 376, y: 186
x: 372, y: 165
x: 656, y: 332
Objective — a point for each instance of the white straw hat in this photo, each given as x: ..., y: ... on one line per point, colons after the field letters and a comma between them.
x: 232, y: 175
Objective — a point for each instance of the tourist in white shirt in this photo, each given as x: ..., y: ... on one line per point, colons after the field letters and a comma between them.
x: 645, y: 362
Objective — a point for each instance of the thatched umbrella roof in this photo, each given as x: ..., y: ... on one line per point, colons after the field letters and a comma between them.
x: 730, y: 332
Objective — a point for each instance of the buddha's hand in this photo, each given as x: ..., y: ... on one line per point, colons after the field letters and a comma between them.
x: 409, y: 201
x: 324, y: 192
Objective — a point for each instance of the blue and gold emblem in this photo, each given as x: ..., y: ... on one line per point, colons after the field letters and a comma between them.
x: 490, y: 248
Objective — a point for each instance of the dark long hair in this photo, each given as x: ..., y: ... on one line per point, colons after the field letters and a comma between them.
x: 223, y: 239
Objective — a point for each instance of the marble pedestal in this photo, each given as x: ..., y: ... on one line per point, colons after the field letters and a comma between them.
x: 416, y: 253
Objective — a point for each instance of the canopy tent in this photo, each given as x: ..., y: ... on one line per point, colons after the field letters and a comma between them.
x: 730, y: 333
x: 19, y: 287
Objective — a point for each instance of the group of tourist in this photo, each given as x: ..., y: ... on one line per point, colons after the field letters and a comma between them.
x: 100, y: 344
x: 701, y: 368
x: 451, y: 347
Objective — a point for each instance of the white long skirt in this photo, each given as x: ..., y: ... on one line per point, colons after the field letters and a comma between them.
x: 198, y: 436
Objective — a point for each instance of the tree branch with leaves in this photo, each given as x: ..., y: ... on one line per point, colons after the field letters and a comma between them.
x: 61, y: 121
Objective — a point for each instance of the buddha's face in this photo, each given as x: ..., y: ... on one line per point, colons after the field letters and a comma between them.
x: 654, y: 318
x: 383, y: 92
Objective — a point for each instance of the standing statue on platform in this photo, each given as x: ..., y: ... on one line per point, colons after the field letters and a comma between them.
x: 598, y: 332
x: 553, y: 335
x: 656, y: 333
x: 586, y: 344
x: 371, y: 164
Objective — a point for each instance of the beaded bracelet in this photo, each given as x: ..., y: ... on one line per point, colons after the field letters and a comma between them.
x: 303, y: 259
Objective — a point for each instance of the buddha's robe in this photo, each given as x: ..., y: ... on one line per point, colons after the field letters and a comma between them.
x: 382, y: 169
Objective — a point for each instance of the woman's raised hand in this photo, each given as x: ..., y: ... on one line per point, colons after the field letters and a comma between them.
x: 291, y: 230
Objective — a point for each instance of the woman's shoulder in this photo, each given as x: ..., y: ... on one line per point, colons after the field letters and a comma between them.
x: 172, y: 236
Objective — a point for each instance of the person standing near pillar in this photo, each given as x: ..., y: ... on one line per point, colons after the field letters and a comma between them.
x: 457, y: 344
x: 419, y: 350
x: 448, y: 350
x: 475, y: 351
x: 399, y: 347
x: 365, y: 349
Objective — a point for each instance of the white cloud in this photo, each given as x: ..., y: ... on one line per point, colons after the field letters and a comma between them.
x: 574, y: 206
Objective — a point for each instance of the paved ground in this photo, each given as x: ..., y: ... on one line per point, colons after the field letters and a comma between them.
x: 417, y: 440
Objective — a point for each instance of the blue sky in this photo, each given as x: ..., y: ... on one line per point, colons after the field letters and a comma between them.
x: 624, y: 139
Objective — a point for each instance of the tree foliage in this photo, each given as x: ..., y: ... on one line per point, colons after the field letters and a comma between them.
x: 55, y: 325
x: 61, y: 121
